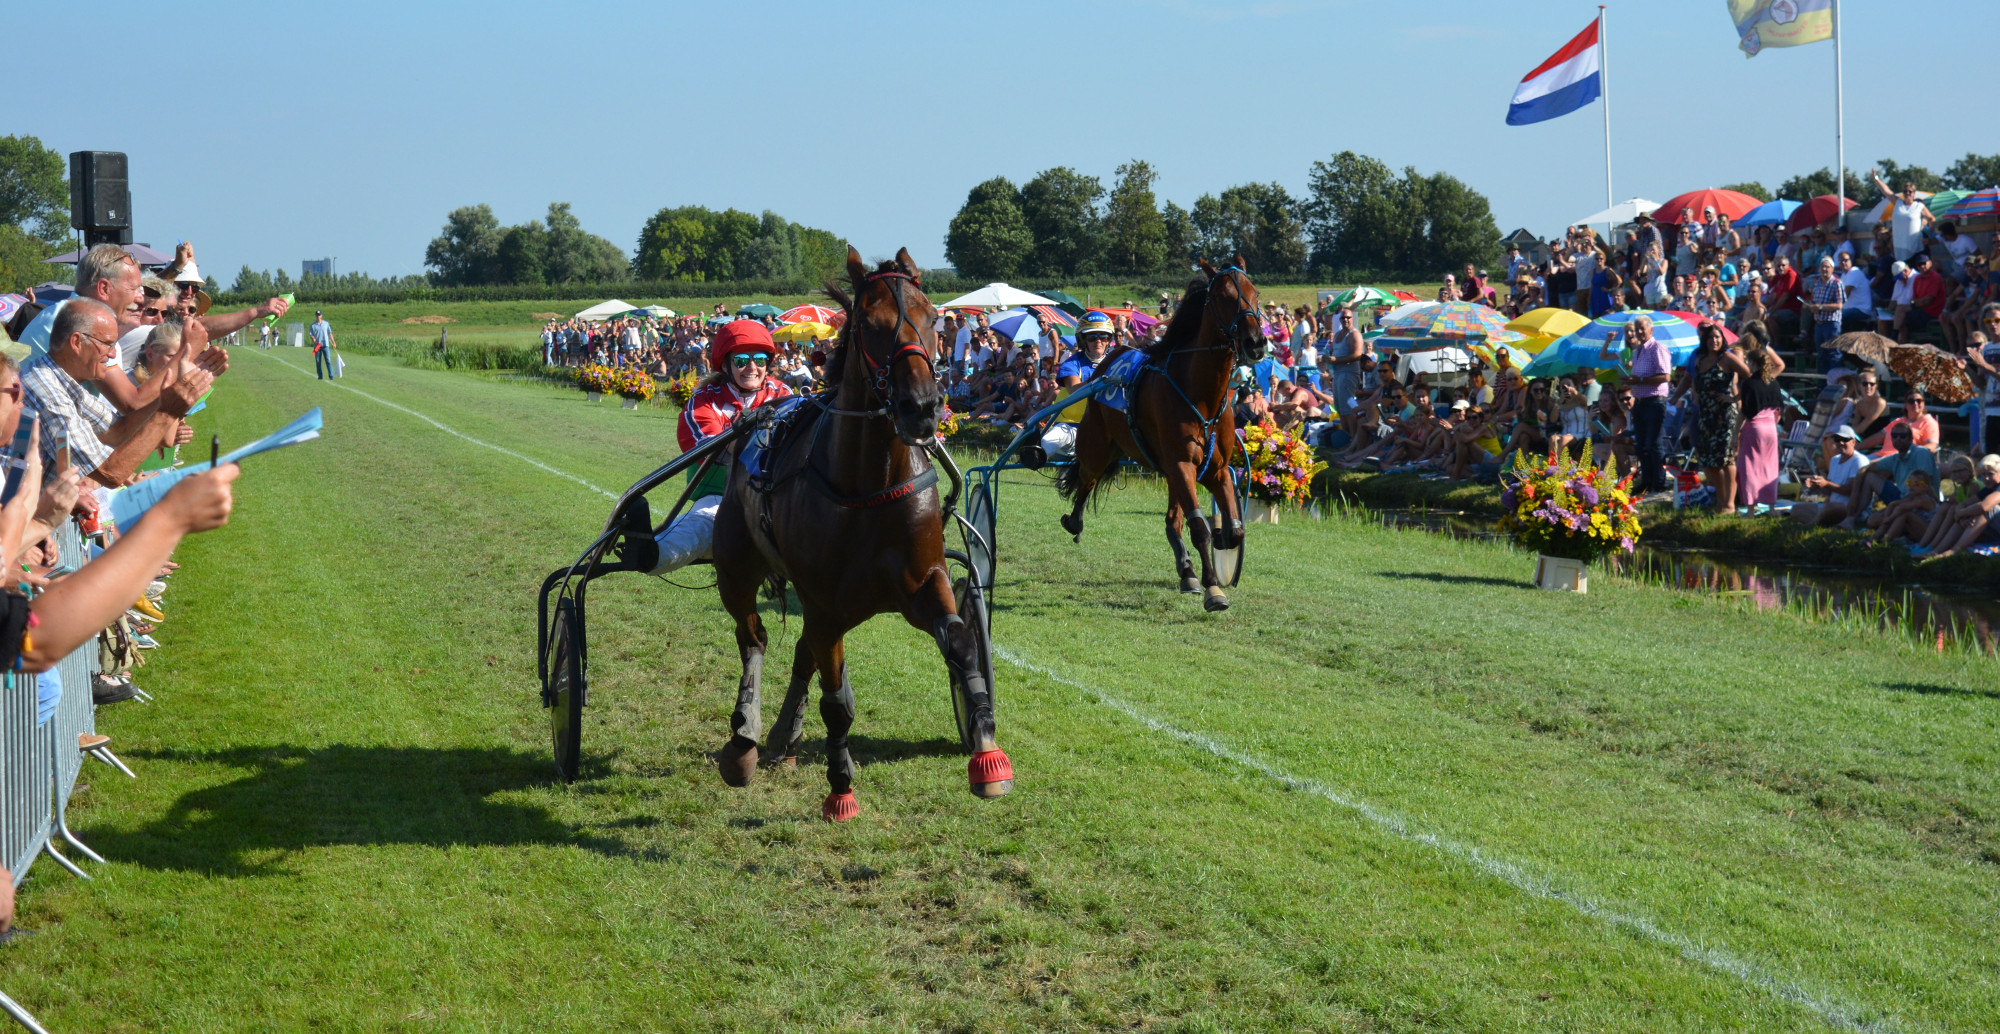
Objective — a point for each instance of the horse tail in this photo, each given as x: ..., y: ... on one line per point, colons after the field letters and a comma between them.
x: 1069, y: 482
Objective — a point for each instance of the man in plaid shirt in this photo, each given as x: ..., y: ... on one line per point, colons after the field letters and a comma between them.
x: 106, y: 446
x: 1829, y: 297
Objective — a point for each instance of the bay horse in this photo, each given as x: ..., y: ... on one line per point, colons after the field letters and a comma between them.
x: 848, y: 513
x: 1179, y: 421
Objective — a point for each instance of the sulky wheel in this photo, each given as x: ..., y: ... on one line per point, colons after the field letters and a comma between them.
x: 566, y: 689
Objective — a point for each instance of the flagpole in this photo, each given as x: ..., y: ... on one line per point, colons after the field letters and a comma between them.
x: 1604, y: 101
x: 1839, y: 128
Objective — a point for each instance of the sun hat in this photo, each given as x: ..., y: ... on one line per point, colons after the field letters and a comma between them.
x: 189, y: 275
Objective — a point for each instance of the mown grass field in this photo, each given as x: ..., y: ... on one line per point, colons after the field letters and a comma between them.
x: 1393, y: 789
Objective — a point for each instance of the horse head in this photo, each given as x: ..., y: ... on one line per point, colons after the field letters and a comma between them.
x: 890, y: 327
x: 1232, y: 305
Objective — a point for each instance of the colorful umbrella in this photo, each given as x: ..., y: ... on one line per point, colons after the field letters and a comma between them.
x: 1817, y: 211
x: 1979, y: 202
x: 1049, y: 315
x: 1887, y: 205
x: 9, y: 305
x: 758, y: 309
x: 1583, y: 347
x: 1138, y: 319
x: 1548, y: 322
x: 1770, y: 213
x: 1866, y: 344
x: 1017, y: 325
x: 1731, y: 203
x: 807, y: 314
x: 1451, y: 321
x: 809, y: 331
x: 1404, y: 296
x: 1941, y: 375
x: 1697, y: 320
x: 1941, y: 202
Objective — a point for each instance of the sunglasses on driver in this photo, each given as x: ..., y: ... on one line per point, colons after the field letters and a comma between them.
x: 740, y: 362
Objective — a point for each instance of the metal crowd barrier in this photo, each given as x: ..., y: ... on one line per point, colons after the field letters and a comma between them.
x: 39, y: 764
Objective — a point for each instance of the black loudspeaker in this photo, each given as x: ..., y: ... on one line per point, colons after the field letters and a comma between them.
x: 100, y: 196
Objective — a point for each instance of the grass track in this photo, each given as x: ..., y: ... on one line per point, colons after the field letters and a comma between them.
x: 344, y: 819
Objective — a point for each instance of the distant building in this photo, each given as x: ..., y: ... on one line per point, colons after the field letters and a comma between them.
x: 323, y: 267
x: 1531, y: 246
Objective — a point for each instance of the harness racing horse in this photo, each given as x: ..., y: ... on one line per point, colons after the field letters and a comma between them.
x: 1179, y: 421
x: 847, y: 511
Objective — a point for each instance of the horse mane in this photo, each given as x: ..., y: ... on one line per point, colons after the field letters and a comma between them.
x: 1186, y: 322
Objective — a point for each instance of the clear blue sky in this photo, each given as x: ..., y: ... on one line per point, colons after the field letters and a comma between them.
x: 350, y: 129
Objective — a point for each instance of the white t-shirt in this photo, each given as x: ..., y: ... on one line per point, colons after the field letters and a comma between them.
x: 1905, y: 290
x: 1906, y: 226
x: 1842, y: 470
x: 1959, y: 247
x: 130, y: 345
x: 1860, y: 297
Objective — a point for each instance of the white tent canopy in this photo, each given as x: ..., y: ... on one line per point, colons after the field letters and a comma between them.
x: 605, y: 310
x: 1620, y: 213
x: 997, y: 296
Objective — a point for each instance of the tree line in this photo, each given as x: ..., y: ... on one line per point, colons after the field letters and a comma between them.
x: 1357, y: 215
x: 1972, y: 172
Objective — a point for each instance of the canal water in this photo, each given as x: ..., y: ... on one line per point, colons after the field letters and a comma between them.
x: 1926, y: 612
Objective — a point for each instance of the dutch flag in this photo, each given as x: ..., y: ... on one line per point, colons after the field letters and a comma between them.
x: 1570, y: 79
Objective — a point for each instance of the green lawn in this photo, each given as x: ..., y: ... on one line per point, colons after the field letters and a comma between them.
x: 1393, y: 789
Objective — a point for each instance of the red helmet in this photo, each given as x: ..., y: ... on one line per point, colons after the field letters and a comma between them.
x: 739, y: 337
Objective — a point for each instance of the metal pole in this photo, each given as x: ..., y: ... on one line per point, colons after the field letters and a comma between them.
x: 1839, y: 126
x: 1604, y: 101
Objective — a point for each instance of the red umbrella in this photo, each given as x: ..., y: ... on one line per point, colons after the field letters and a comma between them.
x: 807, y: 314
x: 1698, y: 319
x: 1725, y: 202
x: 1815, y: 212
x: 1405, y: 296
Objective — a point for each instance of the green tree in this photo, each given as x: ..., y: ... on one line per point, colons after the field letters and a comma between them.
x: 34, y: 188
x: 1896, y: 175
x: 1355, y: 209
x: 1259, y: 221
x: 822, y: 254
x: 1456, y: 224
x: 1752, y: 188
x: 570, y: 254
x: 1973, y: 172
x: 1135, y: 236
x: 989, y: 237
x: 1813, y: 184
x: 522, y: 254
x: 463, y: 254
x: 1178, y: 237
x: 21, y: 255
x: 1060, y: 206
x: 252, y: 281
x: 673, y: 245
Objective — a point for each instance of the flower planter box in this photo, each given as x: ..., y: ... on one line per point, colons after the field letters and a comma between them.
x: 1562, y: 574
x: 1261, y: 512
x: 592, y: 396
x: 629, y: 403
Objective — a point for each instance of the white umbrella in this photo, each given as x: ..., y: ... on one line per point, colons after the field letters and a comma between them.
x: 605, y: 310
x: 659, y: 311
x: 996, y: 296
x: 1620, y: 213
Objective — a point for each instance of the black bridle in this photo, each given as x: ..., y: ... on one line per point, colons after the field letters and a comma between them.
x: 879, y: 372
x: 1232, y: 331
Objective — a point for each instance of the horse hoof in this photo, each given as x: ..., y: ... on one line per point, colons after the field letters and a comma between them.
x: 1073, y: 524
x: 839, y: 807
x: 1190, y: 585
x: 737, y: 761
x: 991, y: 774
x: 1215, y: 600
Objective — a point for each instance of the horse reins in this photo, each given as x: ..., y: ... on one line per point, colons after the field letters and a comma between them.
x: 879, y: 372
x: 1227, y: 332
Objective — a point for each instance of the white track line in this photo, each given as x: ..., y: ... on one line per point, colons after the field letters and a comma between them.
x: 451, y: 431
x: 1837, y: 1014
x: 1721, y: 960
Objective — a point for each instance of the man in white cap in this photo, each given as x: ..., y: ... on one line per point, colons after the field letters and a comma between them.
x: 1841, y: 473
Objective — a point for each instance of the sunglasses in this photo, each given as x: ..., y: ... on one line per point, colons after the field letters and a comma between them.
x: 741, y: 362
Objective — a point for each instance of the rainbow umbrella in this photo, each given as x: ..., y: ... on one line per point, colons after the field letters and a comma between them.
x: 1979, y: 202
x: 1449, y: 323
x: 1582, y: 348
x: 807, y: 314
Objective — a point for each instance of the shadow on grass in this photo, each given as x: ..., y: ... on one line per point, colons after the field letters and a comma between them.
x: 1454, y: 579
x: 1941, y: 691
x: 293, y: 798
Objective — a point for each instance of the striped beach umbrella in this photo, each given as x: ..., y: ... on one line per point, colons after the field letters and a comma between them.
x: 807, y: 314
x: 1450, y: 321
x: 1979, y: 202
x: 1582, y: 348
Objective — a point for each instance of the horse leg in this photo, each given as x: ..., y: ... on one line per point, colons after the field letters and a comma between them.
x: 836, y: 709
x: 783, y: 743
x: 737, y: 576
x: 1190, y: 582
x: 1181, y: 495
x: 990, y: 773
x: 1093, y: 457
x: 1221, y: 485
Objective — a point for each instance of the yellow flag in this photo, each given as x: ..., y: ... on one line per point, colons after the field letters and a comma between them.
x: 1780, y: 23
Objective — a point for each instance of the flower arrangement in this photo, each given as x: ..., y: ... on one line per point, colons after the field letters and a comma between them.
x: 680, y: 389
x: 1281, y: 466
x: 949, y: 424
x: 633, y: 383
x: 597, y: 377
x: 1563, y: 508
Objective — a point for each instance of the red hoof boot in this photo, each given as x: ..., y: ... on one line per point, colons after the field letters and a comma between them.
x: 839, y: 807
x: 991, y: 773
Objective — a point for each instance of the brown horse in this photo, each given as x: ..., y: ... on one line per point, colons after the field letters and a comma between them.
x: 1179, y: 421
x: 847, y: 511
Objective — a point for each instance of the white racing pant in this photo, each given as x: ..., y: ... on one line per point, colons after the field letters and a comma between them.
x: 1060, y: 441
x: 690, y: 536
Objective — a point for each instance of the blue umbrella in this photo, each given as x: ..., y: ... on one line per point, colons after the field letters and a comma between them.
x: 1018, y: 325
x: 1581, y: 348
x: 1770, y: 213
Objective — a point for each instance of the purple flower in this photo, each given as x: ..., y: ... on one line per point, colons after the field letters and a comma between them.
x: 1507, y: 499
x: 1625, y: 543
x: 1578, y: 521
x: 1587, y: 494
